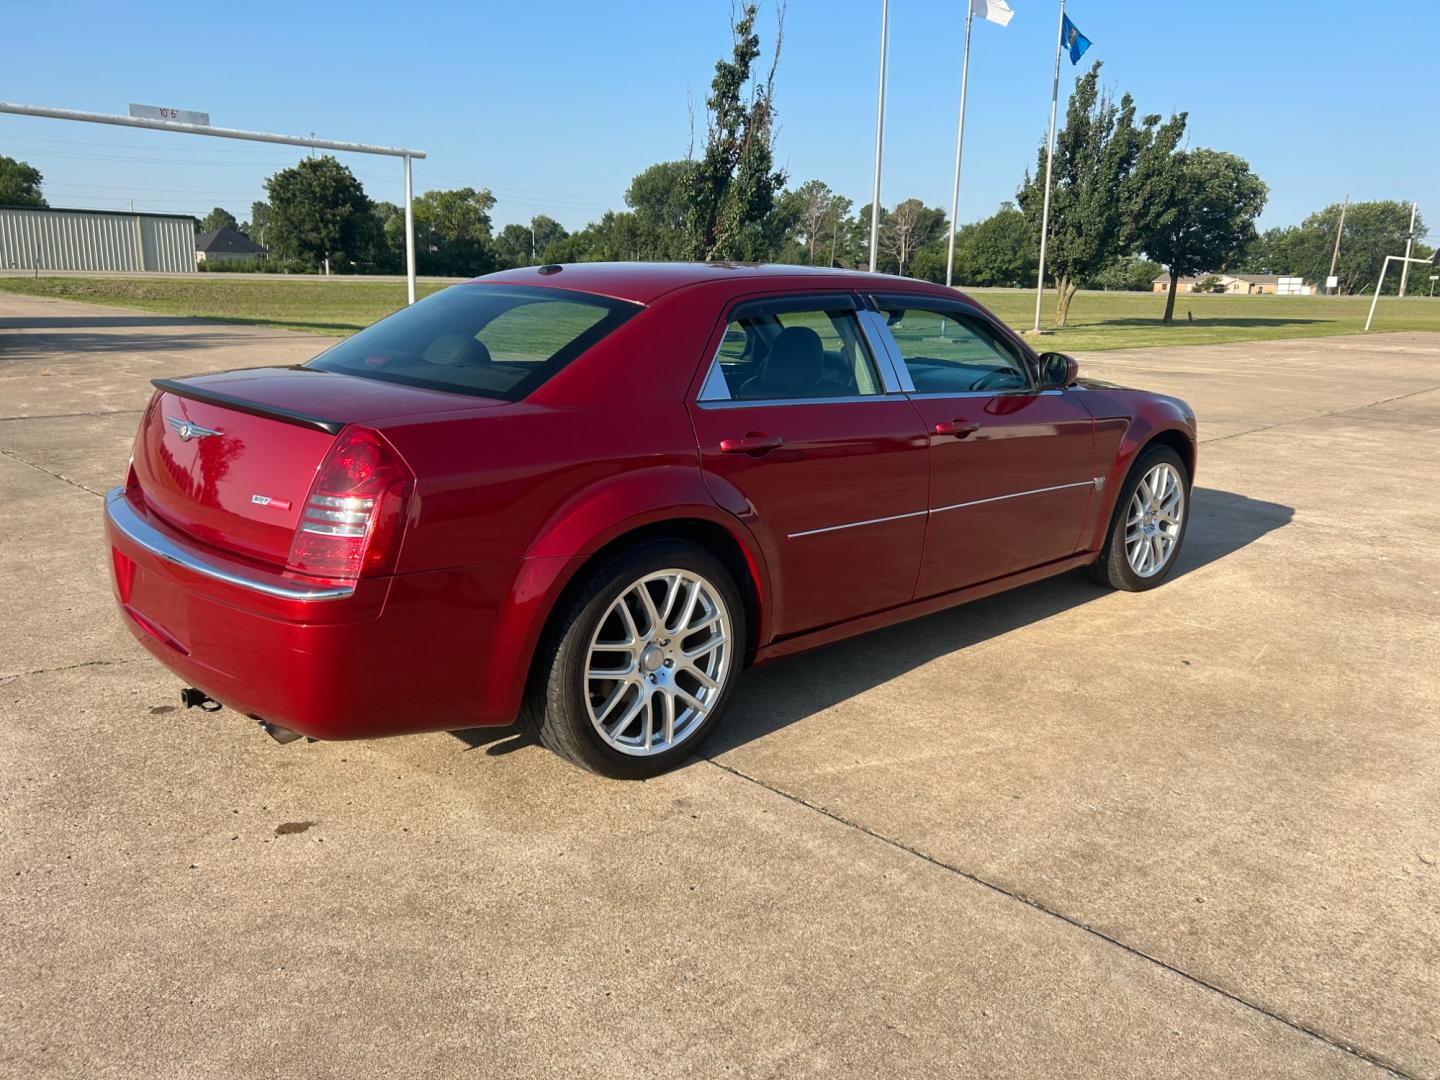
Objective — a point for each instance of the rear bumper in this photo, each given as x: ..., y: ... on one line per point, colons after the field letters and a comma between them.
x: 332, y: 660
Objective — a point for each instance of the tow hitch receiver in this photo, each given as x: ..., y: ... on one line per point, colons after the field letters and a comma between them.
x: 192, y: 698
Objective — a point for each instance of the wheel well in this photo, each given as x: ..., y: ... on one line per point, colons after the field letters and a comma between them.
x: 707, y: 534
x: 1177, y: 441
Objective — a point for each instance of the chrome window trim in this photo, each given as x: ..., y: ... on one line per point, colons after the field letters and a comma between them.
x: 763, y: 403
x: 1095, y: 482
x: 893, y: 373
x: 985, y: 394
x: 123, y: 516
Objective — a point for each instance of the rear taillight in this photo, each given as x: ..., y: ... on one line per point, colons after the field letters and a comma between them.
x: 350, y: 526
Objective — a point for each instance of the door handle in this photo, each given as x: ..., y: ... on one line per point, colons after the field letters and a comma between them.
x: 959, y: 427
x: 752, y: 442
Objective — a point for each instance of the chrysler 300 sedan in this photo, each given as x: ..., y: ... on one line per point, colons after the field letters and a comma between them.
x: 589, y: 496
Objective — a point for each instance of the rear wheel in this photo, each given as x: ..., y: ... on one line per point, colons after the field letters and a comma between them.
x: 640, y: 665
x: 1149, y: 523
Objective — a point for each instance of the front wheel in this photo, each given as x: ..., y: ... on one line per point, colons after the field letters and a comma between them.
x: 640, y: 665
x: 1148, y: 525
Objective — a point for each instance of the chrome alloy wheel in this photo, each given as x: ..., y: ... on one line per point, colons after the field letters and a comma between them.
x: 1153, y: 520
x: 657, y: 662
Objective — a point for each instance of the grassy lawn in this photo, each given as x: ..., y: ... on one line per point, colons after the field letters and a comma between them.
x: 1112, y: 320
x: 310, y: 304
x: 1098, y: 320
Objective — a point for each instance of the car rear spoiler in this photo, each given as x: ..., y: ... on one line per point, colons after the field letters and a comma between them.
x: 254, y: 408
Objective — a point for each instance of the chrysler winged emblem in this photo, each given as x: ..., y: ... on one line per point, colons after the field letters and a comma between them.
x: 187, y: 430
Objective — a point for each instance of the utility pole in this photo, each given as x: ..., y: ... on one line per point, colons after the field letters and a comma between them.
x: 1409, y: 242
x: 1335, y: 258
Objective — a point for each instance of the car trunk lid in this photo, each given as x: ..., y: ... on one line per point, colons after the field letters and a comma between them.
x: 229, y: 459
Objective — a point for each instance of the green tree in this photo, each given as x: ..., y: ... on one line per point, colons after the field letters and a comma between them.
x: 512, y: 245
x: 1372, y: 231
x: 259, y: 222
x: 219, y: 219
x: 318, y: 210
x: 1201, y: 207
x: 997, y: 251
x: 529, y: 245
x: 1096, y: 173
x: 816, y: 217
x: 658, y: 201
x: 1132, y: 273
x: 452, y: 232
x: 19, y: 183
x: 546, y: 233
x: 730, y: 192
x: 909, y: 227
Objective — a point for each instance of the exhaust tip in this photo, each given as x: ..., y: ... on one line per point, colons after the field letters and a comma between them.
x: 282, y: 735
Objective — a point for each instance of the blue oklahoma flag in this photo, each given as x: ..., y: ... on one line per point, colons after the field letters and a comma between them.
x: 1072, y: 39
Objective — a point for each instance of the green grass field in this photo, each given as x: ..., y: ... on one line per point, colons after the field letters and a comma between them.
x: 1098, y: 320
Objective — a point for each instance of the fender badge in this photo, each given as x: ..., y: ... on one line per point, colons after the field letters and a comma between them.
x: 266, y: 500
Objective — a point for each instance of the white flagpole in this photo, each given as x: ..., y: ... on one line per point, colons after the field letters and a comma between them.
x: 1049, y: 159
x: 959, y: 146
x: 879, y: 135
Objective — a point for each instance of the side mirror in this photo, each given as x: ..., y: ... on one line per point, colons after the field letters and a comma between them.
x: 1057, y: 370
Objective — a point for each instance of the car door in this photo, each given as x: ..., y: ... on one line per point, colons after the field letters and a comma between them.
x: 825, y: 458
x: 1011, y: 465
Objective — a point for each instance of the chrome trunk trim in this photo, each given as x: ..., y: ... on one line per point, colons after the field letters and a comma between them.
x: 122, y: 515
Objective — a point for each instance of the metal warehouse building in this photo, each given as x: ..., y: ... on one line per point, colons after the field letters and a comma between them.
x: 53, y: 239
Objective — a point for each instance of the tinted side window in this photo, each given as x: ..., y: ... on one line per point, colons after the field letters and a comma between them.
x: 783, y: 354
x: 950, y: 352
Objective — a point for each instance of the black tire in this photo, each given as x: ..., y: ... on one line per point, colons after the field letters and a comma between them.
x: 555, y: 710
x: 1113, y: 567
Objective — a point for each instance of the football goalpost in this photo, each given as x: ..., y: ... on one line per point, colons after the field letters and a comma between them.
x: 1433, y: 261
x: 187, y: 128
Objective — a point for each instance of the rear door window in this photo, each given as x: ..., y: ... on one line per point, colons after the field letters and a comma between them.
x: 787, y: 350
x: 492, y: 340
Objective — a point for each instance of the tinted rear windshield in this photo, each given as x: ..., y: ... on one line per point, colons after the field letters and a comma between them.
x: 493, y: 340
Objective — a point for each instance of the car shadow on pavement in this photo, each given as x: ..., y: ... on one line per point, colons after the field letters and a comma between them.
x: 1222, y: 523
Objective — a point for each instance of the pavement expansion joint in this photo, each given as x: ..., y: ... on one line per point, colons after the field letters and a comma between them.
x: 50, y: 472
x: 71, y: 415
x: 1318, y: 416
x: 5, y: 680
x: 1367, y: 1056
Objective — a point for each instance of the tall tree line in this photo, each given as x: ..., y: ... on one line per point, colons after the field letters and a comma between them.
x: 1131, y: 202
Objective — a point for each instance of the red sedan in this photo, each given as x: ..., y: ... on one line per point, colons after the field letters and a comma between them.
x: 589, y: 496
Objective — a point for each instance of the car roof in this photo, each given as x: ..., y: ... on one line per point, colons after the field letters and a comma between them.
x: 645, y: 282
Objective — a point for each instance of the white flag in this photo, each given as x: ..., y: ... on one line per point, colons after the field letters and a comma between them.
x: 997, y: 11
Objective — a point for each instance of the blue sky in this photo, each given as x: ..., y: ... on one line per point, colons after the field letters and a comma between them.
x: 555, y: 105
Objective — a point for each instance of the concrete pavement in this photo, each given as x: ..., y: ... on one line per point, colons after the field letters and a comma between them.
x: 1058, y: 832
